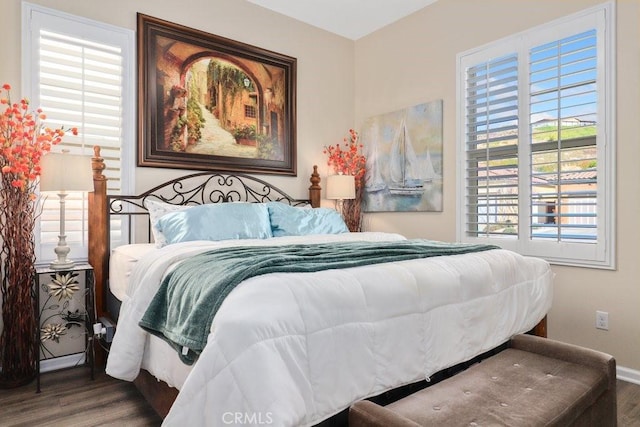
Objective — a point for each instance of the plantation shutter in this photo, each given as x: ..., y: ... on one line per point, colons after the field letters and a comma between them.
x: 81, y: 78
x: 536, y: 144
x: 563, y: 117
x: 492, y: 147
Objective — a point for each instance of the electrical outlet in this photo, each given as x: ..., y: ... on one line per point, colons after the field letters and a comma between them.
x: 602, y: 320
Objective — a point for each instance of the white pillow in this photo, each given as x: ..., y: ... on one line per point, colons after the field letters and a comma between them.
x: 157, y: 210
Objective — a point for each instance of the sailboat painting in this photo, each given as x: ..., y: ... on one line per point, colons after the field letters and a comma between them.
x: 404, y: 159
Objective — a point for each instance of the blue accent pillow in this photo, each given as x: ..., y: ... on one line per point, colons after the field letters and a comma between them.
x: 292, y: 221
x: 220, y: 221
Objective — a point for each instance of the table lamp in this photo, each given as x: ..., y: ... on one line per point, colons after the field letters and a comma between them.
x: 62, y: 173
x: 340, y: 188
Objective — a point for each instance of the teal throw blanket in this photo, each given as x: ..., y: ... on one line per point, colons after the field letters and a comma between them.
x: 189, y: 297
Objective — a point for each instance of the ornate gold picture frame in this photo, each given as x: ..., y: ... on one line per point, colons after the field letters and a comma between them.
x: 209, y: 103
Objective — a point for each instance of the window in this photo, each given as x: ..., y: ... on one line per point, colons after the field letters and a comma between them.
x: 80, y: 72
x: 249, y: 111
x: 536, y: 141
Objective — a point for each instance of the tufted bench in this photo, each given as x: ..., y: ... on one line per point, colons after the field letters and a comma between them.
x: 534, y: 382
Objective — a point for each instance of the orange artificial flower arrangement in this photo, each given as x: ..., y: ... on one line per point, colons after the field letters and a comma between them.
x: 23, y: 141
x: 348, y: 160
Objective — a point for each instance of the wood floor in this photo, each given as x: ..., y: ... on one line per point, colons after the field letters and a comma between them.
x: 628, y: 404
x: 69, y: 398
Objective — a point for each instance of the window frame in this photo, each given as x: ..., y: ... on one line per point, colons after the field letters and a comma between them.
x: 60, y: 22
x: 592, y: 255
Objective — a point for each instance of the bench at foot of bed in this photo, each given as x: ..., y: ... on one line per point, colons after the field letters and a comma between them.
x: 534, y: 382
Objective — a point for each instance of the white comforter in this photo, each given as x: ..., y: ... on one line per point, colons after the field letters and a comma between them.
x: 294, y: 349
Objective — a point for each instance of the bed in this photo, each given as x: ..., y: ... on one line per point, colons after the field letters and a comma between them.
x: 297, y: 348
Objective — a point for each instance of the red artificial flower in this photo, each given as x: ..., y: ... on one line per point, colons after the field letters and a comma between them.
x: 348, y: 160
x: 23, y: 141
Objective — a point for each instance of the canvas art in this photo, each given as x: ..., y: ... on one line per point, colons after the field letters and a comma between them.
x: 207, y: 102
x: 404, y: 159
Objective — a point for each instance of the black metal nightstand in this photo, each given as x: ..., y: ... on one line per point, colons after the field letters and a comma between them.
x: 65, y: 300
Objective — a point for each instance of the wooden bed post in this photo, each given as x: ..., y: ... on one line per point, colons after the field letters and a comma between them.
x: 315, y: 190
x: 541, y: 328
x: 98, y: 230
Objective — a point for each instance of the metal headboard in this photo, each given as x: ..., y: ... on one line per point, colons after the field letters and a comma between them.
x: 195, y: 189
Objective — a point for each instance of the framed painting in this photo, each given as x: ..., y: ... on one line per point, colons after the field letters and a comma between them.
x: 209, y: 103
x: 404, y: 160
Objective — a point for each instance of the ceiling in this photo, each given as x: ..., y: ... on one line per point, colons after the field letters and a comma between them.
x: 349, y: 18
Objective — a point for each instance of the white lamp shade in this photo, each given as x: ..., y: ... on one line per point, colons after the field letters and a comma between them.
x: 341, y: 187
x: 66, y: 172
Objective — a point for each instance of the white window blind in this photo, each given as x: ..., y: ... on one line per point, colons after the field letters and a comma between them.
x: 535, y: 141
x: 563, y: 116
x: 492, y: 147
x: 81, y: 77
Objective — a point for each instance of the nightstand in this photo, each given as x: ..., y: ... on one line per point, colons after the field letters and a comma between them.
x: 65, y: 300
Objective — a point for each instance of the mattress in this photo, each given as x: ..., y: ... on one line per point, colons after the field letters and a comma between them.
x: 302, y: 347
x: 122, y: 261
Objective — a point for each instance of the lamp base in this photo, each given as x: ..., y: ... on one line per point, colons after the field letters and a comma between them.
x: 62, y: 265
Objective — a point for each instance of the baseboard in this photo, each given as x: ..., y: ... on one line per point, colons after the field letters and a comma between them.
x: 62, y: 362
x: 628, y: 375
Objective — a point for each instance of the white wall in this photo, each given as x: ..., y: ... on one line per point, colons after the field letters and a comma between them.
x: 414, y: 61
x: 325, y: 83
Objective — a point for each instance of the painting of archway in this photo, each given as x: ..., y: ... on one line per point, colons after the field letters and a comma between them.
x: 210, y: 103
